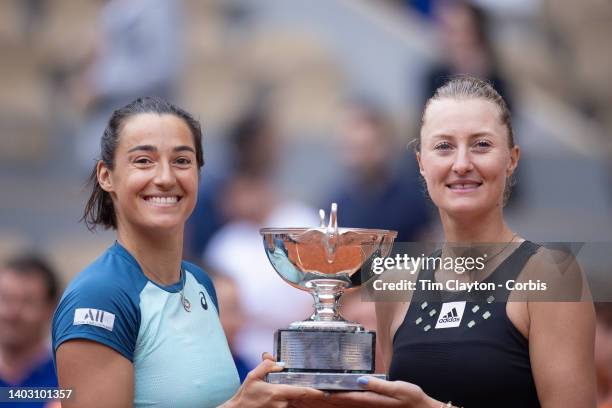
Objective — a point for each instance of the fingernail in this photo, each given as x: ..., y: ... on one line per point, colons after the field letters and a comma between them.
x: 363, y: 381
x: 280, y: 364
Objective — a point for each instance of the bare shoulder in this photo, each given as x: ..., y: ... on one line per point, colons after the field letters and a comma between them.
x: 566, y: 310
x: 558, y: 276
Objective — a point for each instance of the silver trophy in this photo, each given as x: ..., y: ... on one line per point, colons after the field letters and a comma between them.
x: 325, y: 351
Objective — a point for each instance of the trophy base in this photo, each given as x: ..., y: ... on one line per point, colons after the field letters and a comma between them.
x: 324, y: 359
x: 326, y: 351
x: 321, y: 381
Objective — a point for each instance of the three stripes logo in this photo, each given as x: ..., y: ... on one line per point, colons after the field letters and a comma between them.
x: 450, y: 315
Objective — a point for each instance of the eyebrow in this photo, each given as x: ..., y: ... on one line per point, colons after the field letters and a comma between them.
x: 471, y: 136
x: 151, y: 148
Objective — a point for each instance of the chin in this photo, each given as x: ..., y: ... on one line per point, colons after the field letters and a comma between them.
x: 463, y: 212
x: 463, y: 208
x: 164, y: 224
x: 164, y: 217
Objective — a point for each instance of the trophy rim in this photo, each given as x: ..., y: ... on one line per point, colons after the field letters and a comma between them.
x: 341, y: 230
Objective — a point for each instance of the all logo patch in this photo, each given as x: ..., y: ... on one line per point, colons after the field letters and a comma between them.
x: 94, y: 317
x: 450, y: 315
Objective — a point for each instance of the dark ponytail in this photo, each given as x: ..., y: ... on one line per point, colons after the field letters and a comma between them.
x: 99, y: 209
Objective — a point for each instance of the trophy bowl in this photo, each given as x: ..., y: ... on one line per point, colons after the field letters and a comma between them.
x: 325, y: 351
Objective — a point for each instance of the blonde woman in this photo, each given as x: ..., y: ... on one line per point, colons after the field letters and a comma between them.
x: 506, y: 351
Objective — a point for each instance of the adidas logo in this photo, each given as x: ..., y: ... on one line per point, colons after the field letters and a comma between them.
x: 450, y: 315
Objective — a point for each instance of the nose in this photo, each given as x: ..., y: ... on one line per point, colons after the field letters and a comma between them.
x: 463, y: 161
x: 164, y: 176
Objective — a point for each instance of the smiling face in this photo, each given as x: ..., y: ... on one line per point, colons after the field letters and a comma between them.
x: 465, y: 155
x: 154, y: 181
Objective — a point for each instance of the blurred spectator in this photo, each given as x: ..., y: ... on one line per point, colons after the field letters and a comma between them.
x: 137, y: 54
x: 466, y: 47
x: 603, y: 354
x: 232, y: 318
x: 578, y: 36
x: 252, y: 152
x: 381, y: 190
x: 237, y: 251
x: 28, y: 296
x: 248, y: 201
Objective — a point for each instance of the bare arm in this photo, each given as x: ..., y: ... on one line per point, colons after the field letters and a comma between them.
x: 390, y: 313
x: 385, y: 315
x: 98, y: 375
x: 561, y: 331
x: 561, y: 345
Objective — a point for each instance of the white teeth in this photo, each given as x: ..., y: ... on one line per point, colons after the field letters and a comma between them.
x: 163, y: 200
x: 463, y: 186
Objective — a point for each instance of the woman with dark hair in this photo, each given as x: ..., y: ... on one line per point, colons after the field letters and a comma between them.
x: 139, y: 326
x: 493, y: 349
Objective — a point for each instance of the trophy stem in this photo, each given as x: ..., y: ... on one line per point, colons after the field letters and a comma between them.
x: 326, y: 294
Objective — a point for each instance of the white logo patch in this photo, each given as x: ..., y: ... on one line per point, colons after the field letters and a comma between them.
x: 450, y: 315
x: 94, y: 317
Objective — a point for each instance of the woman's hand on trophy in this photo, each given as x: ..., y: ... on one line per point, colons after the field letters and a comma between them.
x: 321, y: 401
x: 384, y: 394
x: 267, y: 356
x: 255, y: 392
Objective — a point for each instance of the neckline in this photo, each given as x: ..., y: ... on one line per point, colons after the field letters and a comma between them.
x: 172, y: 288
x: 486, y: 279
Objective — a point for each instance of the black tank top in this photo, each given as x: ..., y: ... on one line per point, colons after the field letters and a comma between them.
x: 479, y: 359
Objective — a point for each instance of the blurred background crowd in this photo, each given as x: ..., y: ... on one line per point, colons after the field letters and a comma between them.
x: 302, y: 103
